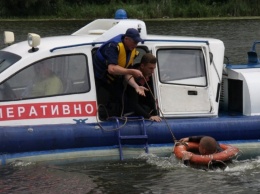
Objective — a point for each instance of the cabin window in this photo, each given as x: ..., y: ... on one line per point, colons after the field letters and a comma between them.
x: 182, y: 66
x: 142, y: 50
x: 7, y: 59
x: 59, y: 75
x: 235, y: 96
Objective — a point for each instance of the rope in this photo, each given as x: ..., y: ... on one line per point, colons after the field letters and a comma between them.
x: 121, y: 115
x: 125, y: 118
x: 157, y: 106
x: 109, y: 130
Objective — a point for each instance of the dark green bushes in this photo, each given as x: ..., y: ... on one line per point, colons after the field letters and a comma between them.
x: 144, y: 9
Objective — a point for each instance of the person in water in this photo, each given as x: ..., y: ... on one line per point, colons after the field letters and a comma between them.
x: 111, y: 63
x: 207, y: 146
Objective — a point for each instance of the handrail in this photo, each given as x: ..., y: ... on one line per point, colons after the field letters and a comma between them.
x: 254, y: 44
x: 146, y: 40
x: 252, y: 54
x: 75, y: 45
x: 167, y: 40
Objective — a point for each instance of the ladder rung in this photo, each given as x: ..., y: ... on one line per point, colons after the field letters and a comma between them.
x: 143, y: 136
x: 134, y: 137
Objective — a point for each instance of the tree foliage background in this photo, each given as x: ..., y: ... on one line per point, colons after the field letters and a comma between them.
x: 135, y: 8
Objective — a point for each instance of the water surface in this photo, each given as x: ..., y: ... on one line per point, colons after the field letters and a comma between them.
x: 149, y: 173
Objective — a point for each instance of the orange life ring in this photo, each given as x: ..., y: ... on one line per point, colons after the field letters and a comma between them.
x: 228, y: 153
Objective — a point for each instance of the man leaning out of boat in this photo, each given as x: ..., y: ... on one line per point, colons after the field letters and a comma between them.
x: 142, y: 105
x: 112, y: 61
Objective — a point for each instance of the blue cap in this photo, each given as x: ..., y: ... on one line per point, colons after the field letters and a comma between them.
x: 120, y: 14
x: 134, y: 34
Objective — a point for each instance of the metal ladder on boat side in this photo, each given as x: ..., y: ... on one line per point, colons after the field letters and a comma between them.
x: 142, y: 136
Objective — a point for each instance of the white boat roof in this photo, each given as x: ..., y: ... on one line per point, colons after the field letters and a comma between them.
x: 49, y: 43
x: 99, y: 31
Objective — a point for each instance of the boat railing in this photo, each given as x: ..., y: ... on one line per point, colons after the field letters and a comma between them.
x: 145, y: 40
x: 252, y: 54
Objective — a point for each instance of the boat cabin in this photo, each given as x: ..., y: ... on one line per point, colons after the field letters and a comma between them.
x: 186, y: 82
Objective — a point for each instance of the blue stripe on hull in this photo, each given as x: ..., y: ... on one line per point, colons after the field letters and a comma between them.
x: 51, y: 137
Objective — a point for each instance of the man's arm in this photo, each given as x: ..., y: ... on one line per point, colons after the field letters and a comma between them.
x: 191, y: 139
x: 111, y: 55
x: 139, y: 89
x: 118, y: 70
x: 133, y: 102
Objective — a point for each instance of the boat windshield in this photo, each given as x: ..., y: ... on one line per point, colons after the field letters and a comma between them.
x: 7, y: 59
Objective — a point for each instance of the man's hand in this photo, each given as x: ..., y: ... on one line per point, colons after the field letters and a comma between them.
x: 186, y: 139
x: 141, y: 90
x: 136, y: 73
x: 186, y: 156
x: 155, y: 118
x: 118, y: 70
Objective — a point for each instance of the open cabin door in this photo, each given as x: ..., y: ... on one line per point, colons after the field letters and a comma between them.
x: 182, y: 80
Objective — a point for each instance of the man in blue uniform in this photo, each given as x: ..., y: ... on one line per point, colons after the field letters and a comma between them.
x: 111, y: 63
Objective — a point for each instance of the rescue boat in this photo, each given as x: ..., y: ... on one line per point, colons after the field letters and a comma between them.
x: 197, y: 93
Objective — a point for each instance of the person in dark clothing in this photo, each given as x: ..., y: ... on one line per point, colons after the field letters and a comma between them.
x: 143, y: 105
x: 207, y: 146
x: 112, y: 61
